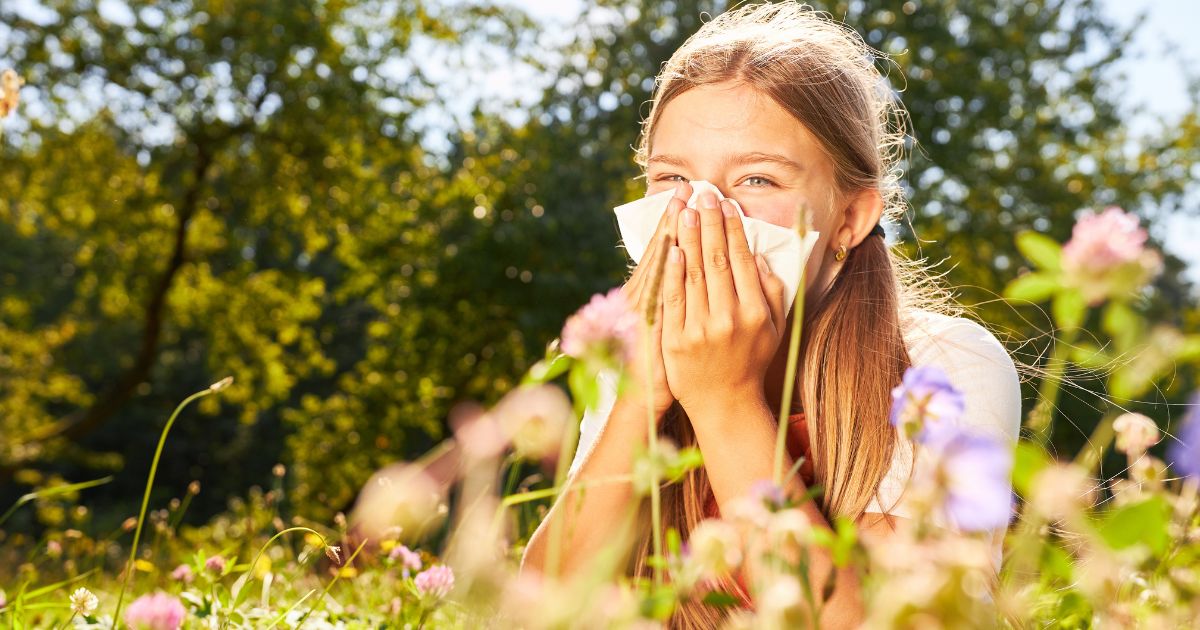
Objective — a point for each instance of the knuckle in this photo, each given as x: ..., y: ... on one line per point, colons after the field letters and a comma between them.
x: 718, y: 260
x: 673, y: 299
x: 744, y: 257
x: 695, y: 274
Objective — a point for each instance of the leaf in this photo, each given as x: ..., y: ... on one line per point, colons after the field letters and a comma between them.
x: 1068, y: 309
x: 547, y: 369
x: 1144, y: 522
x: 1032, y: 287
x: 1028, y: 460
x: 659, y: 604
x: 1090, y: 356
x: 720, y: 599
x: 1121, y: 323
x: 1041, y: 250
x: 585, y: 389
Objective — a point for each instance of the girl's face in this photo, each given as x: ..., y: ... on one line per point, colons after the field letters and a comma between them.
x: 754, y: 151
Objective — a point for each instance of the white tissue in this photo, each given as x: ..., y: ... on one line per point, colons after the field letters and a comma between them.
x: 782, y: 247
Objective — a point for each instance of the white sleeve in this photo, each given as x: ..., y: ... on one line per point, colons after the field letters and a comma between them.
x: 595, y: 419
x: 978, y: 366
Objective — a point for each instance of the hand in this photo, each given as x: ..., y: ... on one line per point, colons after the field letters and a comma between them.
x: 637, y: 293
x: 723, y: 310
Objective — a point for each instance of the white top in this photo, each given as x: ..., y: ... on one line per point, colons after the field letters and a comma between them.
x: 972, y: 358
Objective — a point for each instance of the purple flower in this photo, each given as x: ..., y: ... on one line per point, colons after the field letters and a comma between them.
x: 605, y: 326
x: 155, y: 612
x: 766, y: 492
x: 435, y: 581
x: 1184, y: 453
x: 924, y: 404
x: 215, y: 564
x: 182, y: 573
x: 407, y: 558
x: 975, y: 471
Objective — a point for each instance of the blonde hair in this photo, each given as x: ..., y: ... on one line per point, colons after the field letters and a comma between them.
x: 853, y: 351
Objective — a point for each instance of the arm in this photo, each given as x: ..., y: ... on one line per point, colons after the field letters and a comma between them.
x: 590, y: 519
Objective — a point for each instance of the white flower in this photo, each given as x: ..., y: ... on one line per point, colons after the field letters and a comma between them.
x: 715, y: 547
x: 1058, y: 490
x: 1135, y: 433
x: 83, y: 602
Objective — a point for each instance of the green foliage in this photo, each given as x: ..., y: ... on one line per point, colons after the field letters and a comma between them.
x: 241, y: 187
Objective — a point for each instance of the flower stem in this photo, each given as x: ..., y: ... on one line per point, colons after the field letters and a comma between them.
x: 789, y: 375
x: 651, y: 314
x: 336, y: 576
x: 137, y: 534
x: 1041, y: 419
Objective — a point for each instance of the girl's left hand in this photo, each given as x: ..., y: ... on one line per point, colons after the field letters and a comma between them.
x: 723, y: 311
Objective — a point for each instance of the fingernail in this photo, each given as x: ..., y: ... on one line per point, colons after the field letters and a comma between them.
x: 676, y: 254
x: 679, y: 191
x: 708, y: 200
x: 727, y: 209
x: 691, y: 218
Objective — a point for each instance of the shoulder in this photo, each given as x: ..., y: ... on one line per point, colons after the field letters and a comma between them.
x: 976, y: 363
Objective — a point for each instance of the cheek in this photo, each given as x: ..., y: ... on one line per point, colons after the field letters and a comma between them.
x: 781, y: 212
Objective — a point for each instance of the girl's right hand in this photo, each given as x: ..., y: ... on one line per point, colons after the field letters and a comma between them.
x: 637, y: 293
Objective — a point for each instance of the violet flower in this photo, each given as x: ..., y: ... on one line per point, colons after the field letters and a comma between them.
x: 925, y: 403
x: 1184, y: 452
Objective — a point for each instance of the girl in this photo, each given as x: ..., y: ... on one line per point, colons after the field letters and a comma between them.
x: 778, y: 106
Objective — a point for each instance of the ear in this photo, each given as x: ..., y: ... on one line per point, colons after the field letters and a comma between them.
x: 862, y: 212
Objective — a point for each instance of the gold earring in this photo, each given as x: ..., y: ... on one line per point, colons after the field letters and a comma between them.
x: 841, y: 252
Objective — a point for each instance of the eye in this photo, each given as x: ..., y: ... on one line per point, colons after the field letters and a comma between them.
x: 668, y: 178
x: 757, y: 181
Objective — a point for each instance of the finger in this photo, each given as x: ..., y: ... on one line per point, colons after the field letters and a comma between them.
x: 715, y: 248
x: 694, y: 289
x: 773, y: 291
x: 674, y: 296
x: 741, y: 260
x: 666, y: 225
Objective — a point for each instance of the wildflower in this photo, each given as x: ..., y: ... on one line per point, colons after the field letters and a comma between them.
x: 334, y: 554
x: 194, y: 487
x: 408, y: 559
x: 714, y: 546
x: 975, y: 471
x: 436, y: 581
x: 925, y: 402
x: 400, y: 495
x: 768, y: 493
x: 1185, y: 452
x: 604, y: 327
x: 1107, y: 255
x: 534, y: 418
x: 182, y: 573
x: 790, y: 526
x: 215, y: 564
x: 83, y: 602
x: 1058, y: 490
x: 1135, y: 433
x: 155, y: 612
x: 10, y: 92
x: 53, y: 548
x: 479, y: 433
x: 221, y: 384
x: 128, y: 524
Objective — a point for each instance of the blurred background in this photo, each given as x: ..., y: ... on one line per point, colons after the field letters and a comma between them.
x: 367, y: 211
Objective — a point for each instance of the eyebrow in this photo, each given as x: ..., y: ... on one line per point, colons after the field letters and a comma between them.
x: 741, y: 159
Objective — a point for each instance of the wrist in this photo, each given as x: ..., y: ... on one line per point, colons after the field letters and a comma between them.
x: 729, y: 409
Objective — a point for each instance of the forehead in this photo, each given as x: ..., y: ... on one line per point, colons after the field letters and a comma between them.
x: 731, y: 118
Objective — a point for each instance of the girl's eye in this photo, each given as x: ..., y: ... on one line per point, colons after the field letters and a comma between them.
x: 758, y: 182
x: 669, y: 178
